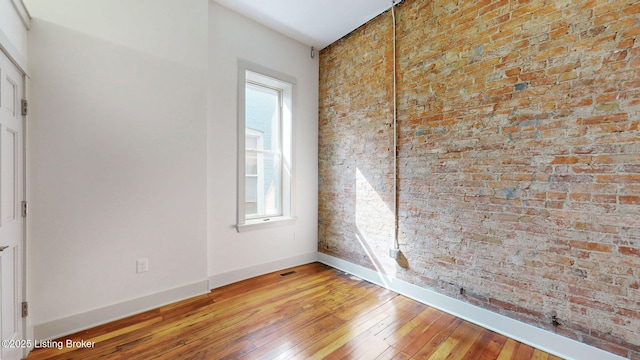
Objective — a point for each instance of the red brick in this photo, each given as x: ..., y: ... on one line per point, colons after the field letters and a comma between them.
x: 626, y: 44
x: 589, y: 245
x: 563, y: 68
x: 617, y: 159
x: 603, y: 198
x: 633, y: 31
x: 580, y: 197
x: 606, y: 18
x: 567, y: 160
x: 632, y: 10
x: 591, y: 304
x: 625, y: 250
x: 604, y: 119
x: 575, y: 103
x: 619, y: 179
x: 629, y: 199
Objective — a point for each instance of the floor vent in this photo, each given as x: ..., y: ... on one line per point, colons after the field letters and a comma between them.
x: 288, y: 273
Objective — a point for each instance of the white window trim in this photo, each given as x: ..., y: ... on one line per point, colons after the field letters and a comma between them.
x: 248, y: 70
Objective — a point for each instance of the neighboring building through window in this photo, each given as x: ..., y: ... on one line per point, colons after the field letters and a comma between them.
x: 265, y: 146
x: 254, y: 173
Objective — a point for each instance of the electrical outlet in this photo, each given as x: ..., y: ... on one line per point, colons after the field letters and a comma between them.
x: 142, y: 265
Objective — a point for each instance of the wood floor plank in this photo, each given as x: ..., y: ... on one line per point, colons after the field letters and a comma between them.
x: 364, y: 345
x: 438, y: 339
x: 303, y: 341
x: 288, y: 345
x: 397, y: 328
x: 314, y: 312
x: 523, y: 351
x: 482, y: 343
x: 308, y: 347
x: 354, y: 327
x: 466, y: 335
x: 392, y: 353
x: 508, y: 350
x: 539, y: 355
x: 410, y: 337
x: 428, y: 333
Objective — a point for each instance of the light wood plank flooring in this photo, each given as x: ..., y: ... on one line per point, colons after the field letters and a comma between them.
x: 315, y: 312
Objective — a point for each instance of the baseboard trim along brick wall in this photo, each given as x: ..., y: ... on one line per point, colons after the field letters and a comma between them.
x: 541, y: 339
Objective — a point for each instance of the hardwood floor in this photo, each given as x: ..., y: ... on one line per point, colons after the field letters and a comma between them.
x: 316, y: 312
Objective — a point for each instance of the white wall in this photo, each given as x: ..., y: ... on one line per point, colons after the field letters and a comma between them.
x: 116, y: 154
x: 13, y: 32
x: 132, y: 154
x: 234, y: 255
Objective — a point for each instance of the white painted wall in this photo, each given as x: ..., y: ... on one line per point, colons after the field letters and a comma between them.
x: 172, y: 30
x: 132, y: 154
x: 116, y: 152
x: 234, y: 255
x: 13, y: 33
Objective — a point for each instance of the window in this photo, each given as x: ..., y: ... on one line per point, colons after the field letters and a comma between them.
x: 265, y: 124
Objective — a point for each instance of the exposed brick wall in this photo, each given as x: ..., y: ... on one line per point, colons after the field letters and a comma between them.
x: 519, y: 158
x: 356, y: 145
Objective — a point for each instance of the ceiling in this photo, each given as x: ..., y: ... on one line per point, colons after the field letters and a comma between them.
x: 316, y: 23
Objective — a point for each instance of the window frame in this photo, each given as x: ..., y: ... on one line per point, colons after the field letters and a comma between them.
x: 249, y: 72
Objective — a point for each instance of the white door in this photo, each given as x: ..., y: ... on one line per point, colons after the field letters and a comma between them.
x: 11, y: 221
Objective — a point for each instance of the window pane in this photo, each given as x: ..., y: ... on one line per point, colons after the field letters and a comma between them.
x: 251, y: 142
x: 263, y: 191
x: 251, y: 196
x: 251, y: 164
x: 272, y: 185
x: 263, y: 166
x: 262, y: 111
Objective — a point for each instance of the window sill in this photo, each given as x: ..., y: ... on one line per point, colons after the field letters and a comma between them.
x: 258, y: 224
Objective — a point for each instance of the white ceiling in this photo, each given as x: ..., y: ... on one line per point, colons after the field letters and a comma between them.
x: 316, y: 23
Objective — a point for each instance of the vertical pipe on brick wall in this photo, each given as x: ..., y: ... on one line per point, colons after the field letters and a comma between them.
x: 396, y: 245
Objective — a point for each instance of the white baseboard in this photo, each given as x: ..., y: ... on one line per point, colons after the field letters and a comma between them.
x: 82, y: 321
x: 78, y: 322
x: 544, y: 340
x: 231, y: 277
x: 541, y: 339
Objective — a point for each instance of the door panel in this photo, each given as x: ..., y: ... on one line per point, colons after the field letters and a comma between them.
x: 10, y: 170
x: 11, y: 221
